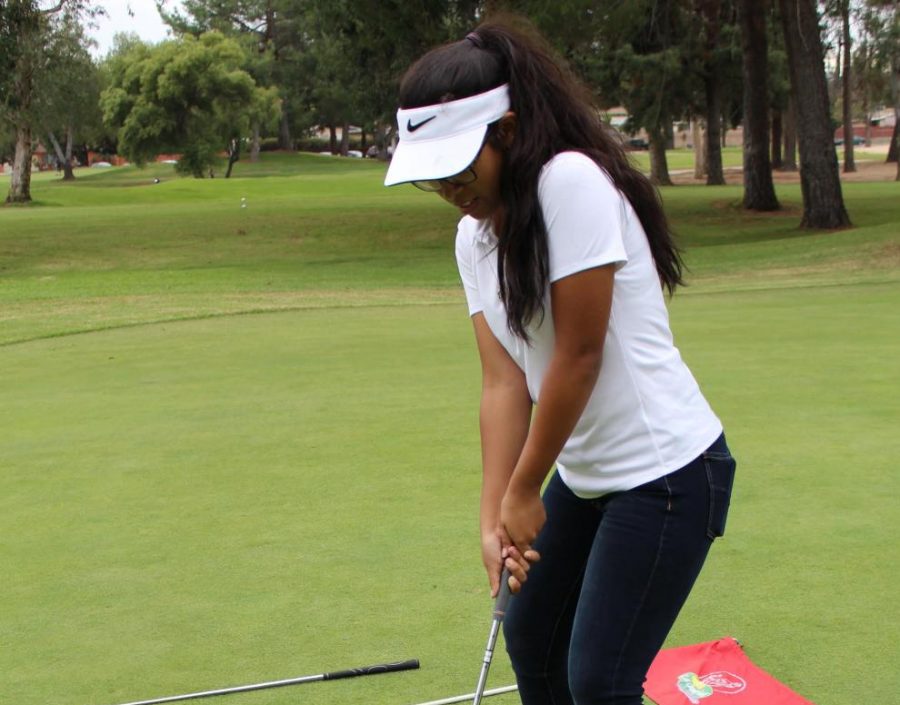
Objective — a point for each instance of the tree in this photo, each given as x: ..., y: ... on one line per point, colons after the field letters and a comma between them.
x: 21, y: 25
x: 639, y: 62
x: 346, y: 35
x: 837, y: 13
x: 823, y: 202
x: 883, y: 19
x: 759, y: 191
x: 846, y: 85
x: 710, y: 13
x: 186, y: 95
x: 779, y: 84
x: 271, y: 33
x: 69, y: 95
x: 33, y: 59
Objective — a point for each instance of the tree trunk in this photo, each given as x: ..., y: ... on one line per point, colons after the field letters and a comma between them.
x: 68, y: 171
x: 710, y: 11
x: 383, y: 139
x: 670, y: 135
x: 254, y: 144
x: 849, y: 163
x: 284, y: 131
x: 823, y: 201
x: 332, y: 139
x: 895, y: 140
x: 60, y: 155
x: 659, y: 166
x: 699, y: 140
x: 715, y: 176
x: 759, y: 191
x: 894, y: 148
x: 64, y: 157
x: 234, y: 154
x: 864, y: 98
x: 895, y: 89
x: 345, y: 139
x: 20, y: 179
x: 790, y: 137
x: 777, y: 140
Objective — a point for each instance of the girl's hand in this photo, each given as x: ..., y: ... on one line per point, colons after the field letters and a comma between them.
x: 521, y: 517
x: 496, y: 556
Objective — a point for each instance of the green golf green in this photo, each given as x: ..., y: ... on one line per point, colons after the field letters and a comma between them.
x: 241, y: 444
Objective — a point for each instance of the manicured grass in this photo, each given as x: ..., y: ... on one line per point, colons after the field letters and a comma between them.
x: 191, y: 499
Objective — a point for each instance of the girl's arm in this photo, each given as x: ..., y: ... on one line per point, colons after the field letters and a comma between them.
x: 581, y: 306
x: 505, y: 415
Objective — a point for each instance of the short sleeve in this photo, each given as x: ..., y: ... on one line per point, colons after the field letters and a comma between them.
x: 584, y: 213
x: 465, y: 261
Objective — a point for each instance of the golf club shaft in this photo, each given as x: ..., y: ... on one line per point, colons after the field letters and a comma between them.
x: 500, y: 605
x: 469, y: 696
x: 334, y: 675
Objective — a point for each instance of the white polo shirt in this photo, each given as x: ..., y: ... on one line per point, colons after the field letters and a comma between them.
x: 646, y: 416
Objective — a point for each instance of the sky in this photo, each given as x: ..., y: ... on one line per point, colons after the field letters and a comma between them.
x: 144, y: 20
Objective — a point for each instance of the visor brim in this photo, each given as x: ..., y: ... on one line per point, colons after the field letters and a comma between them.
x: 434, y: 159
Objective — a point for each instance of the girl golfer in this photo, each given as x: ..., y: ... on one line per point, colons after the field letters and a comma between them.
x: 564, y: 252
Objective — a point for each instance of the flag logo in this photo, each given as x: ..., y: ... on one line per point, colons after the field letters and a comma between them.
x: 696, y: 688
x: 693, y: 688
x: 724, y: 682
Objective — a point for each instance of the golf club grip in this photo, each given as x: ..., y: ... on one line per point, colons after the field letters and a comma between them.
x: 503, y: 596
x: 371, y: 670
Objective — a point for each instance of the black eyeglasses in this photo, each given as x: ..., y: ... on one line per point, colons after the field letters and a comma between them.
x: 467, y: 176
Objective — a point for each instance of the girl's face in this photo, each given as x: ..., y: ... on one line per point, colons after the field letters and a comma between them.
x: 481, y: 198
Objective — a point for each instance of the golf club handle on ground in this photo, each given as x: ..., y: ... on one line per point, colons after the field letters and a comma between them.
x: 334, y: 675
x: 371, y: 670
x: 500, y: 605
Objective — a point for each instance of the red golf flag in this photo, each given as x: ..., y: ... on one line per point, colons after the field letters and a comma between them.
x: 714, y: 673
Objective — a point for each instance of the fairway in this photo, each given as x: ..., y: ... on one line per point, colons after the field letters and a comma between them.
x: 241, y: 444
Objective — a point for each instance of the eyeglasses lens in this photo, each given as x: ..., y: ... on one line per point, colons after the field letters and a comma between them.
x: 461, y: 179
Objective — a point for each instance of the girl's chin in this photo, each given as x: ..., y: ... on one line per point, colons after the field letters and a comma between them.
x: 470, y: 208
x: 476, y: 208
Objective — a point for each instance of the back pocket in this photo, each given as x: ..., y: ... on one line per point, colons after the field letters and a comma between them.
x: 720, y: 476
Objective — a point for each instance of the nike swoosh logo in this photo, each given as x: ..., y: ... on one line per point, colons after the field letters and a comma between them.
x: 412, y: 128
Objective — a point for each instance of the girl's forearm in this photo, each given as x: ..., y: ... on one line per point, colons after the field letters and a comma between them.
x: 565, y: 391
x: 504, y: 420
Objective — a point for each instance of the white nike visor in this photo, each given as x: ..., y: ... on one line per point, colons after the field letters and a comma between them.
x: 438, y: 141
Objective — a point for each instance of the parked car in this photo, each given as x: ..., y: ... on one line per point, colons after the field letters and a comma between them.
x: 856, y: 140
x: 637, y: 143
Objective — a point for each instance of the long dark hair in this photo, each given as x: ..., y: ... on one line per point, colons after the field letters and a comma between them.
x: 554, y: 113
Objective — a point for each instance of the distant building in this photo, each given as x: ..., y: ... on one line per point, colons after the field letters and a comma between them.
x: 884, y: 118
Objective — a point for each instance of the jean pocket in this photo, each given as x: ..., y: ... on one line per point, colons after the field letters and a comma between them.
x: 720, y: 469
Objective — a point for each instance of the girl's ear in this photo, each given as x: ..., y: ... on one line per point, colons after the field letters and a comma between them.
x: 506, y: 129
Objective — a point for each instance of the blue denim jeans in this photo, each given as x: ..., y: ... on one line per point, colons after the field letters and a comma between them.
x: 613, y: 575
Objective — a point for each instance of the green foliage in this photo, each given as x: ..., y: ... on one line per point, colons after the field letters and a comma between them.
x: 18, y: 20
x: 69, y: 92
x: 189, y: 95
x: 878, y: 54
x: 362, y: 47
x: 22, y: 27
